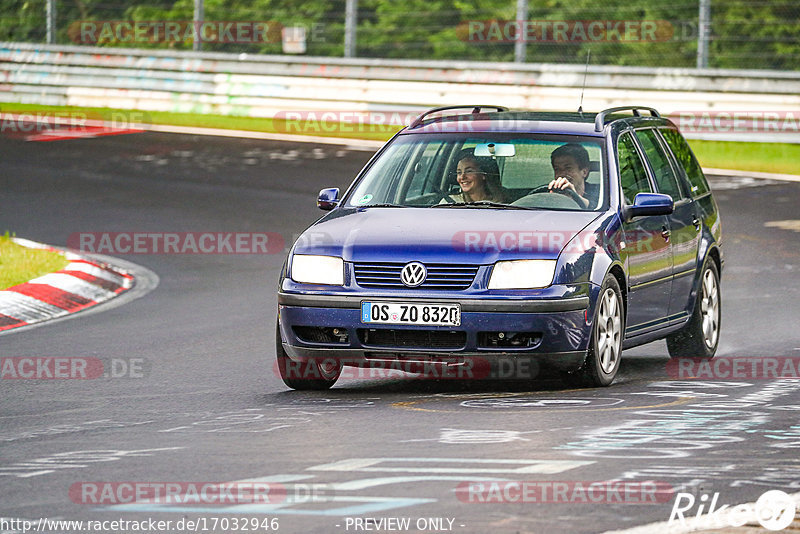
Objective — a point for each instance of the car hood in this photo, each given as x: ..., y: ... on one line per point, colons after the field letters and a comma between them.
x: 447, y: 235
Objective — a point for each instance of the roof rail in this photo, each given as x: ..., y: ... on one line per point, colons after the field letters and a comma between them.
x: 599, y: 121
x: 475, y: 110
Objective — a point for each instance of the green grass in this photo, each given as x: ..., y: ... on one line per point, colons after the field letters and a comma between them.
x: 19, y: 264
x: 254, y: 124
x: 781, y: 158
x: 762, y: 157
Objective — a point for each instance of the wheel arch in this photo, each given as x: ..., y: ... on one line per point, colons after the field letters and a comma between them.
x: 617, y: 272
x: 714, y: 254
x: 605, y: 265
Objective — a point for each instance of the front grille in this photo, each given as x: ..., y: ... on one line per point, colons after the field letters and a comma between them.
x: 440, y: 275
x: 421, y: 339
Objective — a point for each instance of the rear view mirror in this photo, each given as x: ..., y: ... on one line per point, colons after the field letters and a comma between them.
x: 328, y: 198
x: 502, y: 150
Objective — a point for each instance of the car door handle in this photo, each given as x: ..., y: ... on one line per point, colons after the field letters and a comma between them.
x: 696, y: 222
x: 665, y: 233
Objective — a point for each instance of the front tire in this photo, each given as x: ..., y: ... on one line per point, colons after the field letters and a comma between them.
x: 308, y: 375
x: 700, y: 337
x: 605, y: 346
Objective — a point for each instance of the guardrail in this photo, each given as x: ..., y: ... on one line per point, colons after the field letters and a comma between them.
x: 263, y: 86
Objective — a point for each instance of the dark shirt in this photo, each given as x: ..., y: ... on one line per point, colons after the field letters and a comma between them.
x: 591, y: 192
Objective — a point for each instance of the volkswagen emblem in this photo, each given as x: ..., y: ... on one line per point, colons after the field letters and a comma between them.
x: 413, y: 274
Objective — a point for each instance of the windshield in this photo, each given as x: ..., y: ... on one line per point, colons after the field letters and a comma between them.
x: 528, y: 171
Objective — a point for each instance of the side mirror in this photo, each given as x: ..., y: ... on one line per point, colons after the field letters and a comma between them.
x: 649, y: 204
x: 328, y: 198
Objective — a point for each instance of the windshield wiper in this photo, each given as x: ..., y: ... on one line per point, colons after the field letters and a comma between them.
x: 481, y: 204
x: 382, y: 206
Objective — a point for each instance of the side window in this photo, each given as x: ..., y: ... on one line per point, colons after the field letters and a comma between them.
x: 632, y: 174
x: 425, y: 178
x: 680, y: 148
x: 665, y: 178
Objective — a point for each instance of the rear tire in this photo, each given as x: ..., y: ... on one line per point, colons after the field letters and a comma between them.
x: 605, y: 346
x: 700, y: 337
x: 308, y: 375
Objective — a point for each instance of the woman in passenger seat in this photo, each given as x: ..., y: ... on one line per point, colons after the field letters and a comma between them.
x: 479, y: 179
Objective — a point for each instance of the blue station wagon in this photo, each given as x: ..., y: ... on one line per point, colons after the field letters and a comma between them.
x: 478, y: 234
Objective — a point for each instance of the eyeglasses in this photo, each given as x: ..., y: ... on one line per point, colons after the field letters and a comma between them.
x: 469, y: 170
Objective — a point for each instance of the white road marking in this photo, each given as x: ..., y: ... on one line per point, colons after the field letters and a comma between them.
x: 364, y: 483
x: 97, y: 272
x: 454, y: 436
x: 27, y: 308
x: 790, y: 224
x: 413, y: 465
x: 73, y: 284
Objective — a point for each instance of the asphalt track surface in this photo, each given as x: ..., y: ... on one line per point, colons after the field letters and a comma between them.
x: 210, y: 408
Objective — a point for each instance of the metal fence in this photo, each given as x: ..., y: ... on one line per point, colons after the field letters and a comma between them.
x: 735, y: 34
x: 268, y: 86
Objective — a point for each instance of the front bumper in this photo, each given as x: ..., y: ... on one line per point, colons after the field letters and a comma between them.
x: 561, y: 326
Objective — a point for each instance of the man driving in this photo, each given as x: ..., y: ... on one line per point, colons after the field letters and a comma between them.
x: 570, y: 168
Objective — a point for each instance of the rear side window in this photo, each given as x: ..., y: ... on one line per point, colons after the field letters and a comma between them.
x: 680, y: 148
x: 425, y: 179
x: 632, y: 174
x: 665, y: 177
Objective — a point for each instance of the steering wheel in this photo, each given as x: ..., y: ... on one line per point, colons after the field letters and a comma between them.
x: 441, y: 195
x: 571, y: 193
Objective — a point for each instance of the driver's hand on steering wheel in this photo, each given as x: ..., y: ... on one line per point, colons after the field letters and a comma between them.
x: 562, y: 182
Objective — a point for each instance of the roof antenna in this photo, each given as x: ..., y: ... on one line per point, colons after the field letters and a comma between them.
x: 580, y: 106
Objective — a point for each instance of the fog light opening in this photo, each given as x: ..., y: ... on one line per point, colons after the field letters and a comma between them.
x: 323, y: 334
x: 512, y: 340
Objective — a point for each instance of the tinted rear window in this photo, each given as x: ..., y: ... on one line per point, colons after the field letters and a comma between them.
x: 686, y: 158
x: 665, y: 177
x: 632, y: 174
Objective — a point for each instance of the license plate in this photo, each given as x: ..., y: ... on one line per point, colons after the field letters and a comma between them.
x: 404, y: 313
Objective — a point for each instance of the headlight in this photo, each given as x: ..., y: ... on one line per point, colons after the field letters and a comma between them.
x: 522, y: 274
x: 309, y: 269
